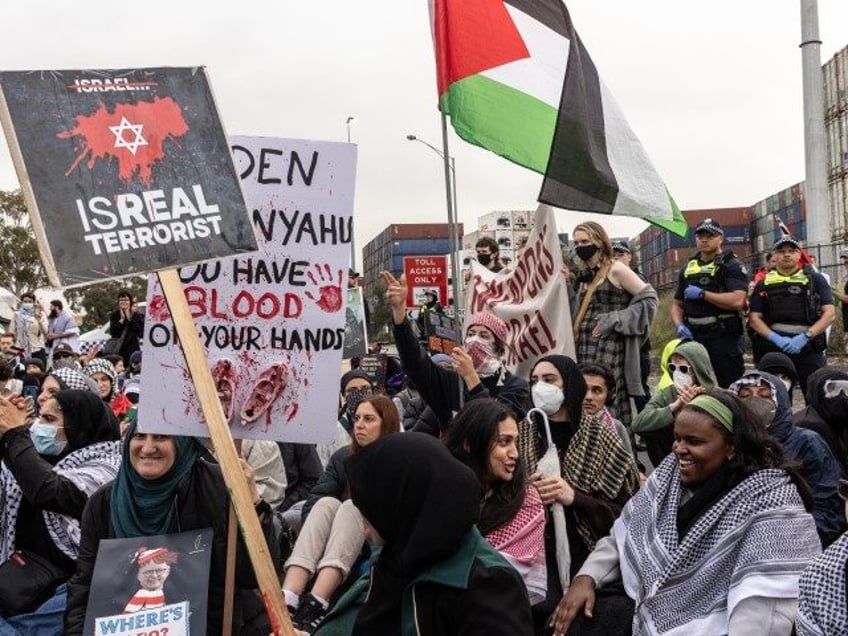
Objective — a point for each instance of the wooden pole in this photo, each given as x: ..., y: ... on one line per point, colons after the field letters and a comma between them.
x: 230, y: 571
x: 219, y: 432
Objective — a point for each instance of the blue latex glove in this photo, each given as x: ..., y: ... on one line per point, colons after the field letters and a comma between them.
x: 693, y: 292
x: 684, y: 332
x: 781, y: 342
x: 796, y: 343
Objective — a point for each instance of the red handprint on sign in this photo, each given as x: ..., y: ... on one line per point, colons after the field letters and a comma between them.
x: 331, y: 294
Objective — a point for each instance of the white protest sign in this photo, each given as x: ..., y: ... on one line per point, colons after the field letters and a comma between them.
x: 532, y: 298
x: 168, y: 620
x: 273, y: 323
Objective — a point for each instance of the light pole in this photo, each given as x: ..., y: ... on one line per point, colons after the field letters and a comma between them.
x: 453, y: 215
x: 351, y: 119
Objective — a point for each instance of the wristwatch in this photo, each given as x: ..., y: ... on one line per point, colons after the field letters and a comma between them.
x: 809, y: 334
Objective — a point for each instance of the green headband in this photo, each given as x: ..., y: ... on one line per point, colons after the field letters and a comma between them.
x: 715, y: 408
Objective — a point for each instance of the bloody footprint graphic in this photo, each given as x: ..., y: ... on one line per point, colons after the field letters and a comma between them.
x: 268, y: 387
x: 225, y: 376
x: 331, y: 298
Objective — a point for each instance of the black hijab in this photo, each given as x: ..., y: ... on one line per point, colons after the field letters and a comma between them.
x: 88, y: 420
x: 422, y: 501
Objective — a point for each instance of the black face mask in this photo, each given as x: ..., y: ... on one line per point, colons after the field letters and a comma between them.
x: 585, y: 252
x: 484, y: 259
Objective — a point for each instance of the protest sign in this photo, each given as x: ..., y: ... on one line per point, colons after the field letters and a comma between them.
x: 150, y: 586
x: 442, y: 333
x: 272, y: 324
x: 424, y: 274
x: 375, y: 365
x: 532, y: 298
x: 123, y: 171
x: 356, y: 330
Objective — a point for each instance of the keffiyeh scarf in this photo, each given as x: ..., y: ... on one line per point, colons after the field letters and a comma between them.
x: 823, y: 600
x: 754, y: 541
x: 88, y: 468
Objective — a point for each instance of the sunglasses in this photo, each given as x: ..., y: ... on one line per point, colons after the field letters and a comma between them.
x: 842, y: 489
x: 683, y: 368
x: 832, y: 388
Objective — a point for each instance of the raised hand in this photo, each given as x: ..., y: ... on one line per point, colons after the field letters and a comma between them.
x: 396, y: 296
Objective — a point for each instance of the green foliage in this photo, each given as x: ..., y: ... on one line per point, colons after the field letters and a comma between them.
x: 20, y: 264
x: 101, y: 299
x: 662, y: 328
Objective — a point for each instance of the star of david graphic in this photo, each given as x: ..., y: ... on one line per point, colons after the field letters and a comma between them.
x: 121, y: 141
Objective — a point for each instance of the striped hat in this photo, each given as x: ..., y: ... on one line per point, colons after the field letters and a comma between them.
x: 711, y: 226
x: 785, y: 240
x: 489, y: 321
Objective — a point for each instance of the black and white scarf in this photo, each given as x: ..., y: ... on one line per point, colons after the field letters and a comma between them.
x: 88, y: 468
x: 823, y: 600
x: 754, y: 541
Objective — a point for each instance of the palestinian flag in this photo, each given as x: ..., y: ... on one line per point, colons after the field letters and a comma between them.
x: 514, y: 78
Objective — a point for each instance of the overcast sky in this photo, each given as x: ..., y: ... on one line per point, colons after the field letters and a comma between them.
x: 712, y: 89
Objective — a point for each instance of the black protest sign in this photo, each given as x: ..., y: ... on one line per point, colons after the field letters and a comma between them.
x: 124, y: 171
x: 150, y: 585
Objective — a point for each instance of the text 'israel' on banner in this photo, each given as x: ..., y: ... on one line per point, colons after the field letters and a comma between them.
x: 124, y: 171
x: 272, y: 324
x: 531, y: 298
x: 514, y: 77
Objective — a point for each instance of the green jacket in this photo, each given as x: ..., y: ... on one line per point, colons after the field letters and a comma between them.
x: 657, y: 412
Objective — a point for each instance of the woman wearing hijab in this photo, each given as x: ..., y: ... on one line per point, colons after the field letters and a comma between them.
x: 597, y: 475
x: 435, y: 575
x: 163, y: 487
x: 63, y: 379
x: 478, y: 365
x: 714, y: 544
x: 484, y: 437
x: 49, y: 470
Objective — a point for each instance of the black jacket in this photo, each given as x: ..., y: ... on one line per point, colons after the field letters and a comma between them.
x: 440, y: 387
x: 332, y: 482
x: 201, y: 503
x: 303, y: 470
x: 133, y: 331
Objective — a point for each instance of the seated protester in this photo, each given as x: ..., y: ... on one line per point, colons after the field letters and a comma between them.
x: 34, y: 366
x: 164, y: 487
x: 435, y: 574
x: 781, y: 366
x: 714, y: 543
x: 355, y: 386
x: 332, y: 536
x: 598, y: 382
x: 825, y: 413
x: 303, y: 470
x: 484, y: 437
x: 665, y: 379
x: 823, y: 588
x: 692, y: 374
x: 103, y: 374
x: 63, y: 379
x: 818, y: 466
x: 597, y: 475
x: 418, y: 416
x: 48, y: 472
x: 64, y: 357
x: 479, y: 363
x: 263, y: 456
x: 117, y: 362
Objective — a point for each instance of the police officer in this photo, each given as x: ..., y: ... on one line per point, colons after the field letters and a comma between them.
x: 711, y: 291
x: 791, y: 308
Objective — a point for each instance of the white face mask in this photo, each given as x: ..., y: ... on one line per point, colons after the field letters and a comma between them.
x: 547, y: 397
x: 682, y: 380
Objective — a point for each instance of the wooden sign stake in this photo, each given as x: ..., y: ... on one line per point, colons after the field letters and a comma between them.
x: 219, y: 432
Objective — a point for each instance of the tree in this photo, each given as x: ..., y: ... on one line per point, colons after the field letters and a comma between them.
x: 21, y: 269
x: 101, y: 299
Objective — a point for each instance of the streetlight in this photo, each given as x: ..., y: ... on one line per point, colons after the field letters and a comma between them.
x: 351, y: 119
x: 453, y: 214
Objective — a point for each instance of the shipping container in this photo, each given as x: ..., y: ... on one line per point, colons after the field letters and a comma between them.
x: 838, y: 217
x: 725, y: 216
x: 399, y: 231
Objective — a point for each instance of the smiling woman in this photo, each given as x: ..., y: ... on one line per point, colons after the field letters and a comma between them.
x: 722, y: 508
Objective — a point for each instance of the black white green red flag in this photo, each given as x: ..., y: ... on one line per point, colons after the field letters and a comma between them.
x: 515, y: 78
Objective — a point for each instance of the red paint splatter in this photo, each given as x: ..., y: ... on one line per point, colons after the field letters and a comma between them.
x: 136, y: 148
x: 293, y: 412
x: 330, y: 295
x: 157, y: 309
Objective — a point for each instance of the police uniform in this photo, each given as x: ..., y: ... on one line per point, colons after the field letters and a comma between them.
x: 790, y: 305
x: 718, y: 329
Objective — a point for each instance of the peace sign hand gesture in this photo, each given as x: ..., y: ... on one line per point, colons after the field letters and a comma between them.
x: 395, y: 296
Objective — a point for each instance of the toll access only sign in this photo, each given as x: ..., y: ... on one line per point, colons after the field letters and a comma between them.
x: 425, y: 274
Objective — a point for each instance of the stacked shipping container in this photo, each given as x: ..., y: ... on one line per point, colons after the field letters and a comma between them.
x: 836, y: 129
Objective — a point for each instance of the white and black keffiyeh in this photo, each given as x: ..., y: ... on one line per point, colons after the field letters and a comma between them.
x: 754, y: 541
x: 89, y: 468
x: 823, y: 600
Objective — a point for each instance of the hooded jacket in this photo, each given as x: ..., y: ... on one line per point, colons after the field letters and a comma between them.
x: 826, y: 415
x: 435, y: 575
x: 819, y: 467
x: 657, y: 412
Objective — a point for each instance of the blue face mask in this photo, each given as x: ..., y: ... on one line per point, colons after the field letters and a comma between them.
x: 44, y: 439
